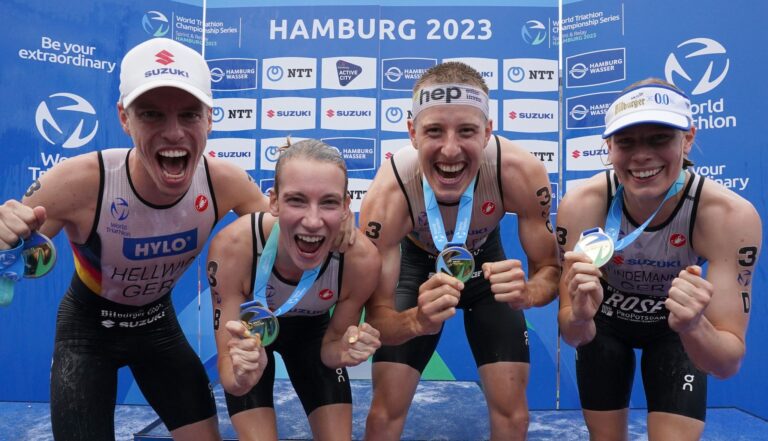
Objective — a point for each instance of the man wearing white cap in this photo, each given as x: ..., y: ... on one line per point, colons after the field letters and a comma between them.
x: 436, y: 209
x: 136, y: 219
x: 634, y: 242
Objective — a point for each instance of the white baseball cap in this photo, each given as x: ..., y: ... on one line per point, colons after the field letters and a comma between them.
x: 162, y: 62
x: 650, y: 103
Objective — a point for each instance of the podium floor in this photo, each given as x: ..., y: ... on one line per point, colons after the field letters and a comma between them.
x: 450, y: 411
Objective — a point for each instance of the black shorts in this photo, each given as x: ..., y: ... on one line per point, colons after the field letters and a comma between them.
x: 298, y: 342
x: 495, y: 332
x: 605, y: 369
x: 94, y: 338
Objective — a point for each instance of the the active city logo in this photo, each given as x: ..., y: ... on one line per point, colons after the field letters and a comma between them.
x: 349, y: 73
x: 706, y: 65
x: 72, y: 123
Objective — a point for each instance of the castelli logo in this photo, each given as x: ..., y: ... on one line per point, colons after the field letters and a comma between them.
x: 488, y: 208
x: 325, y: 294
x: 677, y: 240
x: 201, y: 203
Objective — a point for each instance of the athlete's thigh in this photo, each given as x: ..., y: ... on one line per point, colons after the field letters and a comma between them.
x: 495, y: 332
x: 173, y: 379
x: 83, y: 391
x: 672, y: 382
x: 605, y: 368
x: 315, y: 383
x: 261, y: 396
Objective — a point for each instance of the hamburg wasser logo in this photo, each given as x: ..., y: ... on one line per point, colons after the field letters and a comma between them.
x: 155, y: 23
x: 72, y: 123
x: 704, y: 68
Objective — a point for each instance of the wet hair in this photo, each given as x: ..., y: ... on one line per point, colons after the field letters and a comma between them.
x: 650, y: 81
x: 451, y: 72
x: 313, y: 150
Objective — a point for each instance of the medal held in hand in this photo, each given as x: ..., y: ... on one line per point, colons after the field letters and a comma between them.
x: 454, y: 258
x: 597, y: 245
x: 600, y: 245
x: 456, y: 261
x: 259, y: 320
x: 256, y: 315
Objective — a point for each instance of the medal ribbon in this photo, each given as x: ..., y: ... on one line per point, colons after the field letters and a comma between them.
x: 463, y: 217
x: 613, y: 220
x: 264, y: 270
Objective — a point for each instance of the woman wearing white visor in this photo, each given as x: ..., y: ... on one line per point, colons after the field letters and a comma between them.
x: 634, y: 242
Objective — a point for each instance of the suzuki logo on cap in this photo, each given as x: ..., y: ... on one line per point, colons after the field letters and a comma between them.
x: 164, y: 57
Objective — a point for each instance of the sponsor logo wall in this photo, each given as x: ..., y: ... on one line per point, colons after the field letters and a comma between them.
x: 344, y: 74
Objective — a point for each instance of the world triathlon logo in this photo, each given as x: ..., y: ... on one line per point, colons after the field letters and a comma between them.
x: 119, y: 209
x: 705, y: 65
x: 72, y: 115
x: 155, y: 23
x: 534, y: 32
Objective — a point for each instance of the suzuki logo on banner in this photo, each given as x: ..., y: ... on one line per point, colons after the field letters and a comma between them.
x: 534, y: 32
x: 289, y: 73
x: 233, y: 74
x: 155, y: 23
x: 588, y: 111
x: 234, y: 114
x: 394, y: 114
x: 72, y: 116
x: 402, y: 73
x: 358, y: 153
x: 530, y: 116
x: 390, y: 146
x: 488, y: 68
x: 530, y: 75
x: 270, y: 150
x: 348, y: 113
x: 706, y: 65
x: 291, y: 113
x: 586, y: 153
x: 595, y: 68
x: 349, y: 73
x: 238, y: 151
